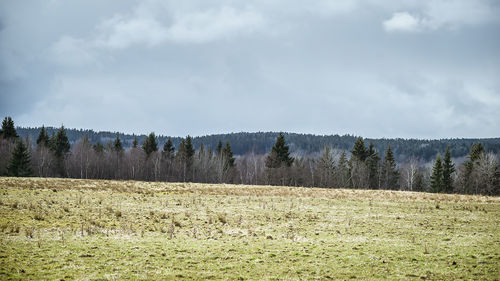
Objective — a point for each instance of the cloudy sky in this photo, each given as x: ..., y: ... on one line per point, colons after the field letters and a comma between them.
x: 387, y: 68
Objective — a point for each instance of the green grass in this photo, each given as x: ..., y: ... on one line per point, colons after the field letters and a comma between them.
x: 83, y: 229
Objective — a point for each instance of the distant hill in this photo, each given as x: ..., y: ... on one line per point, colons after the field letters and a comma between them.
x: 300, y: 144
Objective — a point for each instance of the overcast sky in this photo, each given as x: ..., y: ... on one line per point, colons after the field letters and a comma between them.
x: 388, y: 68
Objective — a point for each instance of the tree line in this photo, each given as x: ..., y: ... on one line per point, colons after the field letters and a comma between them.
x: 362, y: 167
x: 300, y: 144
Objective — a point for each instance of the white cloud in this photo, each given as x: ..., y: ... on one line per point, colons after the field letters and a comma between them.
x: 435, y: 15
x: 213, y: 24
x: 120, y: 32
x: 402, y: 21
x: 186, y: 27
x: 147, y: 26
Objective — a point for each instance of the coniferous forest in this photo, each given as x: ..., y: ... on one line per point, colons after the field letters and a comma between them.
x: 468, y: 166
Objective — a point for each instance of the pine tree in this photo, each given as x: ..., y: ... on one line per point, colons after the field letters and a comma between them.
x: 437, y: 175
x: 43, y: 137
x: 359, y: 149
x: 389, y: 172
x: 8, y: 129
x: 19, y: 165
x: 150, y: 145
x: 448, y: 170
x: 279, y: 154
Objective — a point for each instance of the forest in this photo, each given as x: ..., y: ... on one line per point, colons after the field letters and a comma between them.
x: 300, y: 144
x: 255, y: 158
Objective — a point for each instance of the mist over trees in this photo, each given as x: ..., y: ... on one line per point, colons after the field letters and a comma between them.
x: 153, y: 158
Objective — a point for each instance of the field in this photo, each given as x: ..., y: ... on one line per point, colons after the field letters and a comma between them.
x: 89, y: 229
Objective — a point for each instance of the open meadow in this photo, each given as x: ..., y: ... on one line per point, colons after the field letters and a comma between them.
x: 96, y: 229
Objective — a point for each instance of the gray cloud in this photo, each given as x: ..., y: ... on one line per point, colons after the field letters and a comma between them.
x: 426, y: 69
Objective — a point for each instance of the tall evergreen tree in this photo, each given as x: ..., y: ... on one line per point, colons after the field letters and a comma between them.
x: 43, y: 137
x: 168, y: 148
x: 218, y: 151
x: 227, y: 155
x: 342, y: 171
x: 389, y: 172
x: 150, y: 145
x: 19, y: 165
x: 186, y: 151
x: 135, y: 143
x: 60, y: 143
x: 117, y: 145
x: 373, y: 162
x: 359, y: 149
x: 437, y: 175
x: 201, y: 152
x: 98, y: 148
x: 280, y: 154
x: 448, y: 170
x: 185, y: 155
x: 189, y: 149
x: 8, y: 129
x: 475, y: 152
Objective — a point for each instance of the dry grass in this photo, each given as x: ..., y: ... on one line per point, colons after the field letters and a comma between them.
x: 95, y: 229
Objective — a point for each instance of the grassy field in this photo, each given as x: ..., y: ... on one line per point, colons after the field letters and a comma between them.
x: 89, y: 229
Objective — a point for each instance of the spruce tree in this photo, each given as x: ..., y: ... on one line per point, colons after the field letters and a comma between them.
x: 359, y: 149
x: 186, y: 151
x: 389, y: 172
x: 372, y: 162
x: 437, y: 175
x: 475, y: 152
x: 98, y: 148
x: 168, y: 148
x: 279, y: 154
x: 219, y: 148
x: 43, y: 137
x: 19, y: 165
x: 202, y: 149
x: 117, y: 145
x: 150, y: 145
x: 8, y: 129
x: 135, y: 143
x: 227, y: 155
x: 60, y: 143
x: 189, y: 149
x: 185, y: 155
x: 448, y: 170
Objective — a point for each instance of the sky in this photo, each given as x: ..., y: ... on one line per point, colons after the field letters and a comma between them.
x: 386, y: 68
